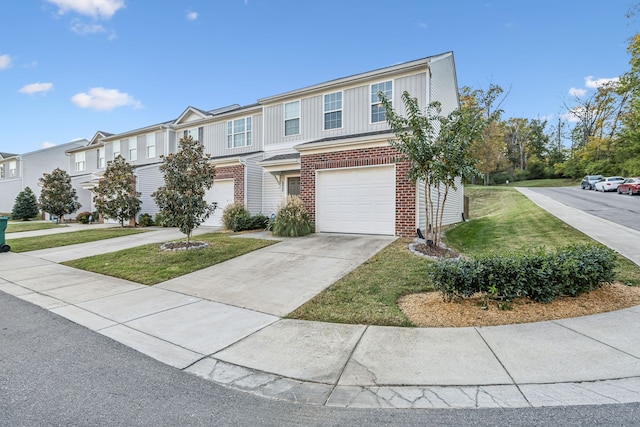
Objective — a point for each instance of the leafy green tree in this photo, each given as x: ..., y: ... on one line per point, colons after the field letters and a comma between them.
x: 58, y: 197
x: 628, y: 148
x: 437, y: 149
x: 187, y: 176
x: 115, y: 195
x: 25, y: 206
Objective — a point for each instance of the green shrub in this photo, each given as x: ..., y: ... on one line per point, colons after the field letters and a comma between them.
x: 161, y: 220
x: 537, y: 275
x: 247, y: 222
x: 83, y: 217
x: 292, y: 219
x: 230, y: 212
x: 145, y: 220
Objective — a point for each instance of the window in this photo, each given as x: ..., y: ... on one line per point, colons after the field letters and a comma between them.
x: 292, y: 118
x: 151, y: 145
x: 80, y: 161
x: 333, y: 111
x: 116, y: 149
x: 239, y: 133
x: 1, y: 171
x: 133, y: 149
x: 100, y: 158
x: 12, y: 168
x: 377, y: 110
x: 293, y: 186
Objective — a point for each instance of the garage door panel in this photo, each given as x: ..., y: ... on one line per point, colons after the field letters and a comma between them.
x: 356, y: 200
x: 222, y: 193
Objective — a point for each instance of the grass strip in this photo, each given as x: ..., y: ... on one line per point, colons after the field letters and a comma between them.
x: 17, y: 227
x: 149, y: 265
x: 368, y: 294
x: 25, y: 244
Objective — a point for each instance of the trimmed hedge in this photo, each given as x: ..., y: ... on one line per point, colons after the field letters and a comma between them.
x: 247, y: 222
x: 539, y: 275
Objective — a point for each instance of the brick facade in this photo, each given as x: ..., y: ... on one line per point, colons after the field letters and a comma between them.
x: 405, y: 190
x: 237, y: 173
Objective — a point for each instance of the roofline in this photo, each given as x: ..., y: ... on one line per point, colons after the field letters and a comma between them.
x: 405, y: 66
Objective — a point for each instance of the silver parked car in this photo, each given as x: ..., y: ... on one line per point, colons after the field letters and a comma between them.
x: 589, y: 181
x: 609, y: 183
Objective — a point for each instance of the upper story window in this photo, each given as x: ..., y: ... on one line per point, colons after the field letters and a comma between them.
x: 100, y: 158
x: 151, y: 145
x: 377, y: 110
x: 12, y: 168
x: 116, y: 149
x: 292, y: 118
x: 195, y: 133
x: 333, y: 111
x: 80, y: 161
x: 239, y: 133
x: 133, y: 149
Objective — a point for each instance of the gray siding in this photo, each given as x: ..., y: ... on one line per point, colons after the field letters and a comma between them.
x: 149, y: 180
x: 85, y: 197
x: 444, y: 87
x: 215, y: 138
x: 453, y: 208
x: 9, y: 190
x: 253, y: 185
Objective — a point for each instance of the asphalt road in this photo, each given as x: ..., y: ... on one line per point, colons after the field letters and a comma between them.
x: 619, y: 208
x: 54, y: 372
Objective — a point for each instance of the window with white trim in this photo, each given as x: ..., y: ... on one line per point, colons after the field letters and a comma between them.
x: 116, y: 149
x: 1, y: 171
x: 100, y: 158
x: 151, y: 145
x: 377, y: 109
x: 292, y: 118
x: 13, y: 168
x: 80, y: 159
x: 195, y: 133
x: 133, y: 148
x: 239, y: 133
x: 333, y: 111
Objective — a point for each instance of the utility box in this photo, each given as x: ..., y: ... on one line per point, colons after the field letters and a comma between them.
x: 3, y: 226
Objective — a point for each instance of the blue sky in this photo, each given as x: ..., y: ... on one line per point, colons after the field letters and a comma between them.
x: 69, y: 68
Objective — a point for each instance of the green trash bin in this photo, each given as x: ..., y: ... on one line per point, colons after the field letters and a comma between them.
x: 3, y: 226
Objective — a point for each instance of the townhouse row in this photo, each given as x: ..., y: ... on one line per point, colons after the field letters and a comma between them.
x: 327, y: 143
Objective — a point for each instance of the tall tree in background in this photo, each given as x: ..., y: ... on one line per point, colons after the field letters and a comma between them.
x: 25, y: 206
x: 628, y: 149
x: 187, y: 176
x: 58, y: 197
x: 115, y: 195
x: 489, y: 147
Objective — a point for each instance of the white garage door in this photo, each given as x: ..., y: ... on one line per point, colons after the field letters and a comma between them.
x: 221, y: 192
x: 356, y: 200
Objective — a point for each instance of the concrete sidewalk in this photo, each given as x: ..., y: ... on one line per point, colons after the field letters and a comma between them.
x: 223, y: 324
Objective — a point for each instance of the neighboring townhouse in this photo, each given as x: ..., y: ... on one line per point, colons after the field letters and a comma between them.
x: 25, y: 170
x: 329, y: 143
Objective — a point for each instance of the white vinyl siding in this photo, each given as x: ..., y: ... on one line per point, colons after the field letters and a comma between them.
x: 333, y: 111
x: 292, y: 118
x: 377, y: 110
x: 356, y: 200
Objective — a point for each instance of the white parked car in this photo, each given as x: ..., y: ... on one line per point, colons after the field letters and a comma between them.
x: 609, y: 183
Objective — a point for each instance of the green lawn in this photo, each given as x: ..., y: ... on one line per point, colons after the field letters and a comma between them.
x: 18, y: 226
x: 149, y: 265
x: 24, y: 244
x: 501, y: 219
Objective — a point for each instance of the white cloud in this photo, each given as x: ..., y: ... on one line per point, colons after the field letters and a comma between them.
x: 572, y: 116
x: 574, y: 91
x: 191, y: 16
x: 84, y: 29
x: 594, y: 84
x: 47, y: 144
x: 101, y: 99
x: 101, y: 9
x: 5, y: 61
x: 33, y: 88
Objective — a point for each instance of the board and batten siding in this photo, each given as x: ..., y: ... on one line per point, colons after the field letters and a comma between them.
x: 444, y: 89
x: 356, y: 111
x: 215, y: 138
